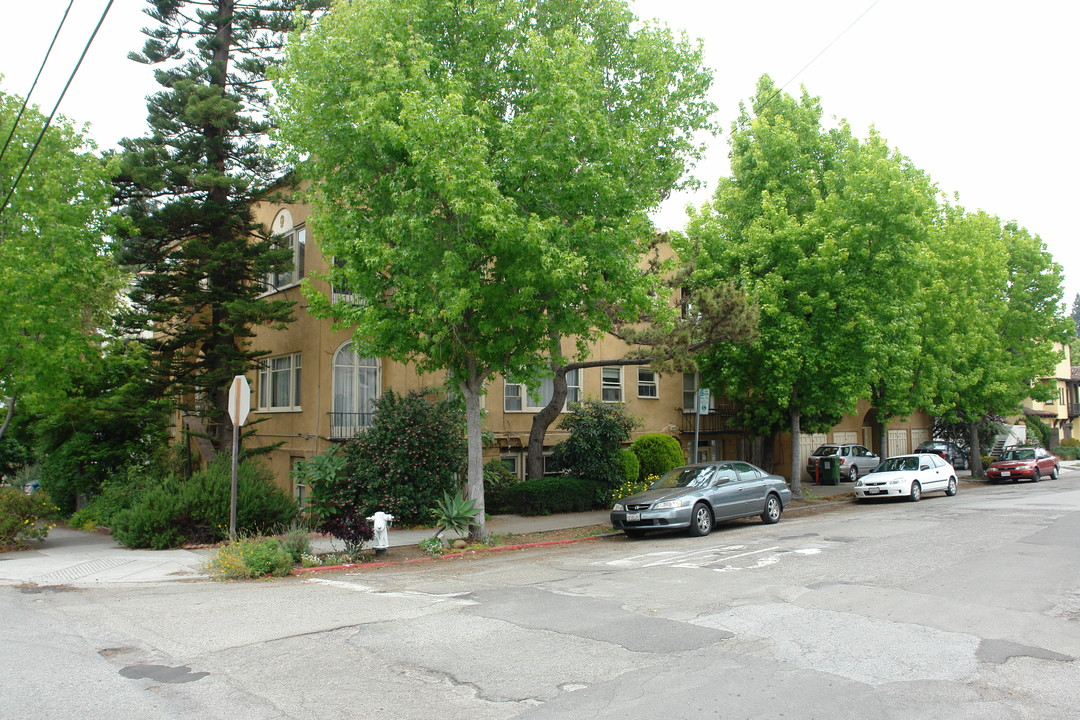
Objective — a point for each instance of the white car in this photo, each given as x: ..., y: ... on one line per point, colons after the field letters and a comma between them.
x: 907, y: 476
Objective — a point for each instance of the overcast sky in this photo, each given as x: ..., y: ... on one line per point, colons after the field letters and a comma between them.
x: 978, y: 93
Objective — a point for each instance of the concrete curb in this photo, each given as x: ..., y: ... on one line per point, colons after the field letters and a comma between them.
x: 447, y: 556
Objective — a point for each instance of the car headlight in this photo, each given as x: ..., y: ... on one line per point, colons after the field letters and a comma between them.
x: 618, y: 507
x: 668, y: 504
x: 859, y: 483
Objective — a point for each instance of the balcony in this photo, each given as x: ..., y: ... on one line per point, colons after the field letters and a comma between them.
x: 344, y: 426
x: 716, y: 421
x: 1074, y: 410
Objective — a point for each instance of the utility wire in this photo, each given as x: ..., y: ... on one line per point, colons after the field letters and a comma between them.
x: 33, y: 85
x: 814, y: 59
x: 57, y: 105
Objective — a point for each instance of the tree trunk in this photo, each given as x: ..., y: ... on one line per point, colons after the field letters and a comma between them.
x: 883, y: 438
x: 977, y: 469
x: 534, y: 463
x: 474, y: 485
x: 7, y: 417
x: 796, y: 454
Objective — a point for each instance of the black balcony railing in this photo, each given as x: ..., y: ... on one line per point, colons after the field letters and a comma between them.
x: 345, y: 425
x: 716, y: 421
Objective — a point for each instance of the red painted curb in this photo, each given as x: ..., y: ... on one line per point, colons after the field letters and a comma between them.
x: 496, y: 548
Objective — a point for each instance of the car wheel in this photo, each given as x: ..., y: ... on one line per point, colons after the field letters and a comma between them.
x: 772, y: 510
x: 916, y: 491
x: 634, y: 534
x: 1054, y: 473
x: 853, y: 476
x: 951, y: 490
x: 1035, y: 477
x: 701, y: 520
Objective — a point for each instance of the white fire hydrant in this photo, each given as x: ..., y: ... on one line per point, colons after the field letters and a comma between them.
x: 380, y: 521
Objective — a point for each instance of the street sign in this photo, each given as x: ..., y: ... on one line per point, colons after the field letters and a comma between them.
x: 239, y: 400
x: 703, y: 401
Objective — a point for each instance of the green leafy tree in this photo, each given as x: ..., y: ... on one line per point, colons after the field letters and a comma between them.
x: 187, y: 190
x: 1002, y: 319
x: 57, y: 278
x: 764, y: 230
x: 879, y: 210
x: 482, y: 174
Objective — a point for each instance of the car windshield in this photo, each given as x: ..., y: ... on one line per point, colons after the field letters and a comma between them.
x: 898, y: 463
x: 826, y: 450
x: 1018, y: 455
x: 685, y: 477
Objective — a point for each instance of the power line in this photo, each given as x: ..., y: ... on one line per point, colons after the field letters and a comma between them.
x: 814, y: 59
x: 26, y: 100
x: 55, y: 107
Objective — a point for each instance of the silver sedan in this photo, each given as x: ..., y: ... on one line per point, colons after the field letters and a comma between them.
x: 696, y: 497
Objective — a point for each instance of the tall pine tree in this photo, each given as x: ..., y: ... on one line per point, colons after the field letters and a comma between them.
x: 188, y: 188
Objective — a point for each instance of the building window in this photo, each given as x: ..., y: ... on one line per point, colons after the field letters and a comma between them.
x: 647, y: 383
x: 611, y: 384
x: 518, y: 398
x: 296, y: 240
x: 279, y: 383
x: 357, y: 385
x: 339, y: 289
x: 510, y: 462
x: 689, y: 392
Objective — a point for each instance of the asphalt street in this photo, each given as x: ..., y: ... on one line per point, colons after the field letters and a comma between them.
x: 962, y: 607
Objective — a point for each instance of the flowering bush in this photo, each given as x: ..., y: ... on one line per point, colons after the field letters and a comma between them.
x: 631, y: 487
x: 249, y: 558
x: 24, y: 517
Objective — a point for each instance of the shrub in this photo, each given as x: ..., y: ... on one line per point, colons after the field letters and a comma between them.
x: 1068, y: 452
x: 250, y: 558
x: 628, y: 488
x: 24, y: 517
x: 197, y: 509
x: 297, y: 542
x: 1070, y: 442
x: 631, y: 467
x: 597, y: 431
x: 497, y: 478
x: 413, y: 452
x: 455, y: 513
x: 657, y: 454
x: 556, y: 494
x: 353, y: 530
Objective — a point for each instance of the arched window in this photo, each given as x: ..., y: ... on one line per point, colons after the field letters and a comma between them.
x: 357, y: 383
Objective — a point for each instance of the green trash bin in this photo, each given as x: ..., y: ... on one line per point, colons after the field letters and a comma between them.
x: 830, y: 470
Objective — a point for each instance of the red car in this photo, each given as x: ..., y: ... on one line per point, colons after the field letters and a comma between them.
x: 1030, y: 463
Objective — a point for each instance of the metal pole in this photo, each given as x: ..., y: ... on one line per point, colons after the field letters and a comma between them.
x: 232, y: 490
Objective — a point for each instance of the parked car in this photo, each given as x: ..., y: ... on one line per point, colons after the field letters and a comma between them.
x: 855, y: 460
x: 696, y: 497
x: 950, y: 452
x: 1030, y: 463
x: 908, y: 476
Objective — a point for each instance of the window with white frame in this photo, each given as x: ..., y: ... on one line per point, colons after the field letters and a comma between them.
x: 357, y: 386
x: 689, y: 392
x: 518, y: 398
x: 647, y: 383
x: 611, y: 389
x: 296, y: 240
x: 279, y: 383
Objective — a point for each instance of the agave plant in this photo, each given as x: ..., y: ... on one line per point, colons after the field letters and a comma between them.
x: 454, y: 514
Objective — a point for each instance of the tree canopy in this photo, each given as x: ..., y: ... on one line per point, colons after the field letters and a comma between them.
x: 57, y: 275
x: 481, y: 173
x: 187, y: 190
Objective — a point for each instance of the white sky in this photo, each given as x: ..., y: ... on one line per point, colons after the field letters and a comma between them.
x: 979, y: 93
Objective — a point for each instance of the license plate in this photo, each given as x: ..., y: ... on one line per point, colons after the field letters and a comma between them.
x: 1005, y: 474
x: 874, y: 492
x: 633, y: 517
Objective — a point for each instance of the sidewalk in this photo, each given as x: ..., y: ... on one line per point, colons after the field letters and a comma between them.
x: 73, y: 557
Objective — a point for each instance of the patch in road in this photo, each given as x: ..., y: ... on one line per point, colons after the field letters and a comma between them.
x: 591, y: 618
x: 852, y: 646
x: 162, y: 673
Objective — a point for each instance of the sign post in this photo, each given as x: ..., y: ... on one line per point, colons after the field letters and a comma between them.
x: 703, y: 403
x: 239, y: 407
